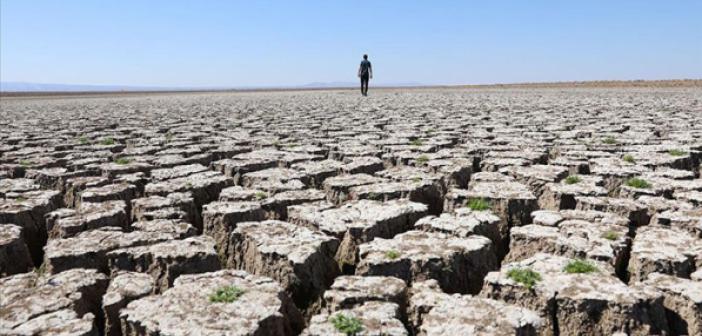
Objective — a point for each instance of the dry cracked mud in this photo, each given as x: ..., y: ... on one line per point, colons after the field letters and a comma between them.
x: 410, y: 212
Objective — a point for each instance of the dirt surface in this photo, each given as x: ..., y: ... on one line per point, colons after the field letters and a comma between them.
x: 538, y: 209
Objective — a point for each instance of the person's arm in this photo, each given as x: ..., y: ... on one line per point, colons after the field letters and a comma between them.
x: 359, y: 71
x: 370, y: 70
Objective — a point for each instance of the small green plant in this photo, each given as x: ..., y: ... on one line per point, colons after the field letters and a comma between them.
x: 259, y: 195
x: 580, y: 266
x: 25, y: 163
x: 416, y: 142
x: 226, y: 294
x: 422, y: 159
x: 524, y: 276
x: 628, y: 158
x: 417, y: 179
x: 610, y: 235
x: 392, y: 254
x: 677, y: 152
x: 188, y: 185
x: 20, y: 199
x: 169, y: 137
x: 609, y: 141
x: 573, y: 179
x: 348, y: 325
x: 638, y: 183
x: 478, y: 204
x: 122, y: 161
x: 83, y: 140
x: 107, y: 141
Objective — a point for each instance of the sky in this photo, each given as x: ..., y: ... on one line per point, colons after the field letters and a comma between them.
x: 288, y: 43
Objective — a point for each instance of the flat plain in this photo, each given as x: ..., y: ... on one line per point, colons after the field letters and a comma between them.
x: 445, y: 211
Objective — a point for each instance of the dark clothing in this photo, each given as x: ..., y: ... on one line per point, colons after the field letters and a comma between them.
x: 365, y: 67
x: 364, y: 84
x: 364, y: 71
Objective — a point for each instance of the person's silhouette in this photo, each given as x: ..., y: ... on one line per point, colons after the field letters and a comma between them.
x: 365, y: 72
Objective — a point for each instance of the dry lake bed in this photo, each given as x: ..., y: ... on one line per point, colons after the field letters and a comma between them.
x: 514, y: 211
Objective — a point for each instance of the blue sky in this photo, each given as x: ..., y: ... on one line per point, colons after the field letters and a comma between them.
x: 269, y: 43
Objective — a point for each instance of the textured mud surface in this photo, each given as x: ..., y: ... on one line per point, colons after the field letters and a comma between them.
x: 415, y: 212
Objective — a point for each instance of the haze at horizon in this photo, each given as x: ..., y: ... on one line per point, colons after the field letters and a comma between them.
x: 277, y: 43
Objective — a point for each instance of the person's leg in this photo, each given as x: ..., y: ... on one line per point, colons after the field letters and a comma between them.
x: 364, y: 85
x: 362, y: 92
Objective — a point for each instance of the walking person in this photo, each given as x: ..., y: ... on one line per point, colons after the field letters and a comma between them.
x: 365, y: 72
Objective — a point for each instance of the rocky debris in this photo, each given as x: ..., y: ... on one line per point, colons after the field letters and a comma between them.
x: 559, y: 196
x: 213, y: 302
x: 32, y: 304
x: 372, y: 318
x: 361, y: 221
x: 167, y: 260
x: 459, y: 264
x: 300, y: 259
x: 686, y: 220
x: 362, y: 165
x: 65, y: 223
x: 636, y: 212
x: 239, y: 193
x: 27, y: 211
x: 279, y: 175
x: 338, y: 187
x: 112, y: 169
x: 682, y: 299
x: 124, y: 288
x: 350, y: 291
x: 220, y: 219
x: 14, y: 254
x: 89, y: 249
x: 664, y: 250
x: 586, y: 300
x: 173, y: 206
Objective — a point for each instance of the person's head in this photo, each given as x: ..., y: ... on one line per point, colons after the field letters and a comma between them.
x: 365, y: 57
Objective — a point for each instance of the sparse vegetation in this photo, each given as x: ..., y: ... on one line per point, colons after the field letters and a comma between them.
x: 628, y: 158
x: 524, y: 276
x: 638, y: 183
x: 226, y: 294
x: 573, y: 179
x: 260, y: 195
x: 107, y: 141
x: 169, y: 137
x: 20, y: 199
x: 392, y: 254
x: 348, y: 325
x: 478, y: 204
x: 416, y: 142
x: 610, y: 235
x: 422, y: 159
x: 580, y: 266
x: 677, y: 152
x: 25, y: 163
x: 417, y: 179
x: 188, y: 185
x: 609, y: 140
x: 122, y: 161
x: 83, y: 140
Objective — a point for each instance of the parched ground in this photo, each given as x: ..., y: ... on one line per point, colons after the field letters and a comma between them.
x: 492, y: 211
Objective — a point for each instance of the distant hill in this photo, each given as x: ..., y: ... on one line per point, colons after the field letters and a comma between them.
x: 44, y: 87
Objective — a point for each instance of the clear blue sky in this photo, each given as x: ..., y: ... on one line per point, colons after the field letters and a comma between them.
x: 262, y: 43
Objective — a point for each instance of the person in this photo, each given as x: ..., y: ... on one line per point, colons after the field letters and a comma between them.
x: 365, y: 72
